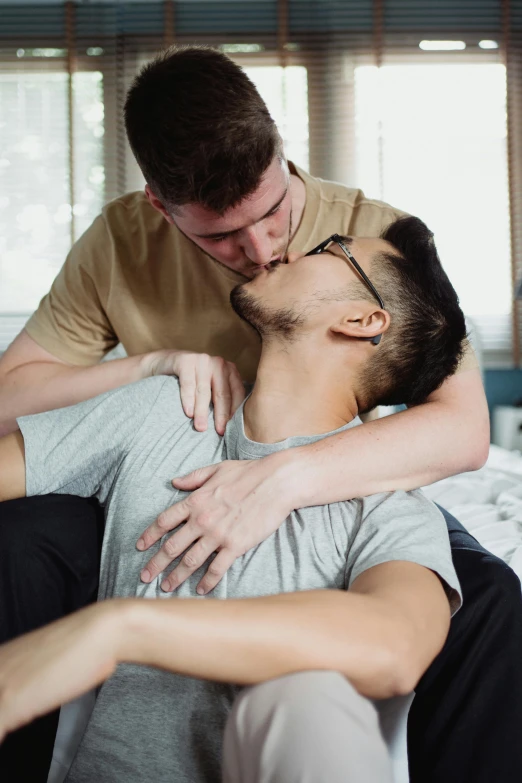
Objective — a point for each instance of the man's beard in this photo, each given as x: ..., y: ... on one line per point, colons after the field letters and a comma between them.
x: 267, y: 322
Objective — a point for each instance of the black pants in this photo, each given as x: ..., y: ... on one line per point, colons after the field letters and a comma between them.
x: 465, y: 724
x: 49, y: 564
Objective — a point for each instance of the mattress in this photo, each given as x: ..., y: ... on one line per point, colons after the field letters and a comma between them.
x: 488, y: 502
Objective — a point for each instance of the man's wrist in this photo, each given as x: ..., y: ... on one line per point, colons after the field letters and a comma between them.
x: 137, y: 629
x: 148, y: 363
x: 290, y: 471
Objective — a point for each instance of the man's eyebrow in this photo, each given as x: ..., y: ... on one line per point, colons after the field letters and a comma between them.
x: 347, y: 240
x: 236, y: 230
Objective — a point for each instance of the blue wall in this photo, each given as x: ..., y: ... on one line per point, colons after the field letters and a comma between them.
x: 503, y: 387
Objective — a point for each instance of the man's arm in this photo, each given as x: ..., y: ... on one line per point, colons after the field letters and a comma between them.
x: 448, y: 434
x: 12, y: 466
x: 32, y: 380
x: 382, y: 635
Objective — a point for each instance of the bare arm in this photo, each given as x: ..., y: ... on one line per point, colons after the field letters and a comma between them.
x: 446, y: 435
x: 12, y: 466
x: 382, y: 635
x: 32, y: 380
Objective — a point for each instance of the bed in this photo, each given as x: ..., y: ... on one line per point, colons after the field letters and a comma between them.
x: 488, y: 502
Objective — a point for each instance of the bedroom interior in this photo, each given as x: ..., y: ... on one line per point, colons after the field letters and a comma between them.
x: 418, y: 104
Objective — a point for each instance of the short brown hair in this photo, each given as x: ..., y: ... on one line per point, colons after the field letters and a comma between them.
x: 199, y: 129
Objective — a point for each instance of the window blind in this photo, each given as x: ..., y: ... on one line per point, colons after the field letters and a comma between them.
x: 336, y: 77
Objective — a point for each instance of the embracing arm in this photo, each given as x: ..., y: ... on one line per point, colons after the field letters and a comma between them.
x: 32, y: 380
x: 446, y: 435
x: 382, y: 635
x: 12, y: 466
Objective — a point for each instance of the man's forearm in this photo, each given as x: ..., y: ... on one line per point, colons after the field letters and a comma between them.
x: 405, y: 451
x: 247, y: 641
x: 43, y: 386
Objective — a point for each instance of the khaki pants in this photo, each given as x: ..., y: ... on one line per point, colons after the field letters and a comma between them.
x: 309, y: 727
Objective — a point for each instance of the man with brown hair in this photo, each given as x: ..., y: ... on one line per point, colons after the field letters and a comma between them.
x: 154, y: 272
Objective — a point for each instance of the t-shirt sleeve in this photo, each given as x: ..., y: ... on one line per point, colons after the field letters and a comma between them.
x: 71, y: 321
x: 78, y: 450
x: 403, y: 526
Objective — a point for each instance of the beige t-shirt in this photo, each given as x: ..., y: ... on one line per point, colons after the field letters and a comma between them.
x: 136, y: 279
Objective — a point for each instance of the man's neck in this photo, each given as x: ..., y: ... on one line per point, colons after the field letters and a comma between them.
x: 296, y: 394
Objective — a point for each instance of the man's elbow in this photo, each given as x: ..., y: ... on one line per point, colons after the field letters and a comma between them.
x: 476, y: 446
x: 403, y: 672
x: 384, y: 673
x: 393, y: 669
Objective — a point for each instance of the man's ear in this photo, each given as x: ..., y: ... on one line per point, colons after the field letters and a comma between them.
x: 363, y: 322
x: 157, y: 204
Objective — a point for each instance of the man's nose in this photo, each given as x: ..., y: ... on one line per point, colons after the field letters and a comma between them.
x: 257, y: 245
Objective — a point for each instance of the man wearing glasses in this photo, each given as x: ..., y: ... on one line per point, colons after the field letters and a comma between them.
x: 361, y: 588
x: 154, y: 272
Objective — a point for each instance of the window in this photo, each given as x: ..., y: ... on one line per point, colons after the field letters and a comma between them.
x: 285, y: 92
x: 431, y: 139
x: 35, y: 209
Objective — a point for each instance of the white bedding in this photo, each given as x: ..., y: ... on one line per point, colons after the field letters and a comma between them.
x: 488, y: 502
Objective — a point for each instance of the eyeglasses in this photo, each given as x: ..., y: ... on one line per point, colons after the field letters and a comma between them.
x: 339, y: 241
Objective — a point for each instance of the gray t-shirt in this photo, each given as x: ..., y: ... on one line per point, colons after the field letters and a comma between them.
x: 125, y: 446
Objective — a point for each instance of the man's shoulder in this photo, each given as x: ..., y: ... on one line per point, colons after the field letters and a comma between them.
x: 138, y: 234
x: 400, y: 503
x: 365, y: 211
x: 332, y: 207
x: 156, y: 386
x: 129, y: 212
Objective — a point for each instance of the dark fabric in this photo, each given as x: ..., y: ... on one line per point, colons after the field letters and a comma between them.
x: 465, y: 723
x: 49, y: 563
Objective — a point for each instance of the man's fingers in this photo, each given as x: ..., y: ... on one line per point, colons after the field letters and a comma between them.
x: 222, y: 398
x: 166, y: 521
x: 187, y: 391
x: 171, y: 549
x: 191, y: 561
x: 237, y: 388
x: 203, y: 378
x: 203, y: 395
x: 216, y: 570
x: 194, y: 480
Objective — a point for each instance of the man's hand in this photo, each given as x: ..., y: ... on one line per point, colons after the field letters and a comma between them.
x: 48, y: 667
x: 234, y: 506
x: 202, y: 378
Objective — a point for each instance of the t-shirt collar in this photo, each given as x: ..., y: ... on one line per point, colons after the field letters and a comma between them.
x: 238, y: 446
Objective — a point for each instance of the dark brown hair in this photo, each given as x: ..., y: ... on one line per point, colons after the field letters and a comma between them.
x: 199, y: 129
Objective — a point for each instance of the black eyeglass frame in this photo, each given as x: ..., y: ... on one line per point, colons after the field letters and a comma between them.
x: 337, y: 238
